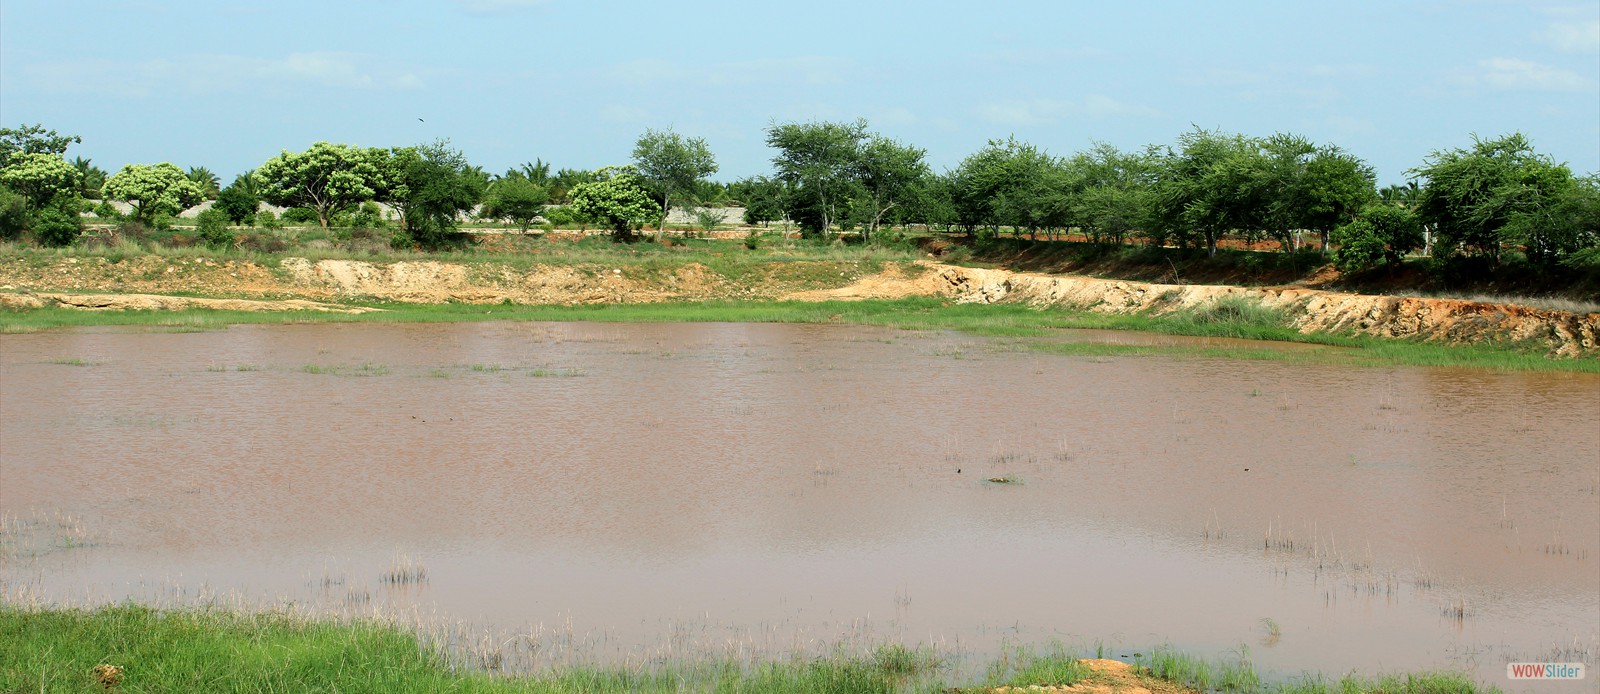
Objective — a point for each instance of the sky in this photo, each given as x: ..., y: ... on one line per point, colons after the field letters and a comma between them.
x: 227, y: 85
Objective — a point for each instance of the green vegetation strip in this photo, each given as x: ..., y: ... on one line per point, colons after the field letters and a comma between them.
x: 1035, y: 329
x: 138, y: 649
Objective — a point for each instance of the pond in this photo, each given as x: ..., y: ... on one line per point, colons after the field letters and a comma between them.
x: 615, y: 492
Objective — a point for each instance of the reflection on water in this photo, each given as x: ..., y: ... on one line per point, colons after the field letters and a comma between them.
x: 792, y: 484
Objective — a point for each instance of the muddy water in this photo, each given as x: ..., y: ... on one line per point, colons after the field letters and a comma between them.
x: 646, y: 488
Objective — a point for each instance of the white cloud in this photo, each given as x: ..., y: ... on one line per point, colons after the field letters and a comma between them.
x: 207, y: 74
x: 1048, y: 111
x: 1572, y: 37
x: 1515, y: 73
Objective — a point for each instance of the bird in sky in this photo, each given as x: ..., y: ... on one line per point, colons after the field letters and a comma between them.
x: 419, y: 120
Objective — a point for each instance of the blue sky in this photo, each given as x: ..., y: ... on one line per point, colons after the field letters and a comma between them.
x: 228, y: 84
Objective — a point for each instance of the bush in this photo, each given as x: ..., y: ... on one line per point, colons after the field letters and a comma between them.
x: 1380, y: 234
x: 212, y: 226
x: 367, y: 216
x: 707, y: 218
x: 267, y: 220
x: 57, y: 227
x: 106, y: 211
x: 13, y: 214
x: 300, y: 215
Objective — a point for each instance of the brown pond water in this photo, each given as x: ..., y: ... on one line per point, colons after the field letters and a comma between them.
x: 619, y: 491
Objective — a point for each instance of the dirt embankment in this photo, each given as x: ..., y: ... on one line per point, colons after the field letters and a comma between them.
x: 301, y: 284
x: 1311, y: 310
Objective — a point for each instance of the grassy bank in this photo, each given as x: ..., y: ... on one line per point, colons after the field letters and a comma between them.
x: 1036, y: 329
x: 138, y: 649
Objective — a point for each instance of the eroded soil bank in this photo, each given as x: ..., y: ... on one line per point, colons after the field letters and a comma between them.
x: 296, y: 280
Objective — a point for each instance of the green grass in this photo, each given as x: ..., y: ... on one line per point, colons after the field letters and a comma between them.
x: 991, y: 320
x: 58, y: 650
x: 1022, y: 667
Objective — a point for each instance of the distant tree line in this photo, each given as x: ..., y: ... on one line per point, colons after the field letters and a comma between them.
x: 1471, y: 204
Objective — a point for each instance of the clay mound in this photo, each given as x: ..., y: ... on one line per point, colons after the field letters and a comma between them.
x: 1110, y: 677
x: 157, y: 302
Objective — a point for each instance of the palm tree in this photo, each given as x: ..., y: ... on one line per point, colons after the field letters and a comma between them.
x: 208, y: 181
x: 90, y: 178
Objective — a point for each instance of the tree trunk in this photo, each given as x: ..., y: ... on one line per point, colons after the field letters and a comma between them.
x: 666, y: 211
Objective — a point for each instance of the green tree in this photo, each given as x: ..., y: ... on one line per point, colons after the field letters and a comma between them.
x: 888, y: 173
x: 517, y: 199
x: 153, y: 189
x: 41, y: 178
x: 1551, y: 230
x: 1208, y: 187
x: 431, y: 186
x: 90, y: 178
x: 209, y: 184
x: 618, y: 198
x: 1471, y: 197
x: 762, y: 197
x: 1379, y: 234
x: 672, y: 165
x: 239, y: 200
x: 325, y: 178
x: 1334, y: 188
x: 819, y: 163
x: 33, y: 139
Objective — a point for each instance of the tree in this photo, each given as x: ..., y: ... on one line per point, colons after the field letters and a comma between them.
x: 1379, y: 234
x: 206, y: 179
x: 325, y: 178
x: 90, y: 178
x: 889, y: 173
x: 517, y: 199
x: 431, y: 185
x: 818, y: 161
x: 618, y: 198
x: 1208, y: 187
x: 239, y: 200
x: 762, y: 197
x: 40, y: 177
x: 1334, y: 188
x: 672, y: 165
x: 153, y: 189
x: 1554, y: 229
x: 33, y: 139
x: 1471, y: 197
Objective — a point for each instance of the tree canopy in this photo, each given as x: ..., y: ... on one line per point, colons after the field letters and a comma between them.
x: 616, y: 196
x: 153, y: 189
x: 672, y: 165
x: 325, y: 178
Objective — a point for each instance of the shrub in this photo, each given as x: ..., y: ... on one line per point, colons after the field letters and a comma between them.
x: 1380, y: 234
x: 212, y: 226
x: 367, y: 216
x: 267, y: 220
x: 57, y: 227
x: 708, y: 218
x: 300, y: 215
x: 13, y: 214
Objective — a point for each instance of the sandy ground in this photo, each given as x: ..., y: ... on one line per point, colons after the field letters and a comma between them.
x: 67, y: 281
x: 1110, y: 677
